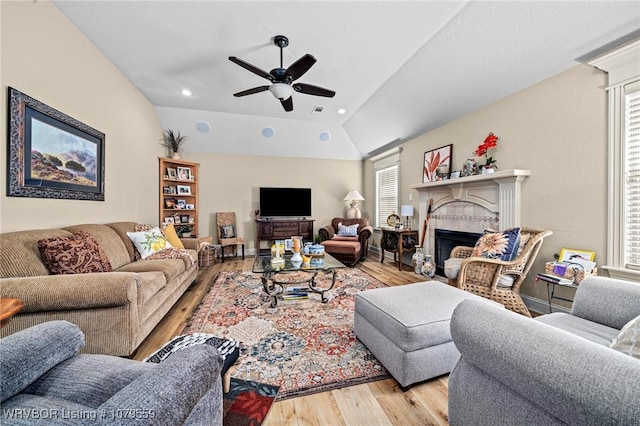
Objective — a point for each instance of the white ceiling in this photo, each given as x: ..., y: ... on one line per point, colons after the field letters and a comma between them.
x: 399, y: 68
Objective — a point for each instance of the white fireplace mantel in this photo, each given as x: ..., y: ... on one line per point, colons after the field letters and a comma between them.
x: 499, y: 192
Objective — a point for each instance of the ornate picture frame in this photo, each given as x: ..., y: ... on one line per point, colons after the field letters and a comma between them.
x: 435, y: 159
x: 52, y: 155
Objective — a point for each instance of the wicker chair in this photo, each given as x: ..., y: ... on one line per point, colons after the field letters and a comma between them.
x: 480, y: 276
x: 228, y: 233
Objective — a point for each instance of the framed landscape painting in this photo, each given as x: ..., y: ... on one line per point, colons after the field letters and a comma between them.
x: 439, y: 157
x: 52, y: 155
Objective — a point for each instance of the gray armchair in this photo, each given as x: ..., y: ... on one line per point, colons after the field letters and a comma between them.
x: 556, y: 369
x: 45, y: 381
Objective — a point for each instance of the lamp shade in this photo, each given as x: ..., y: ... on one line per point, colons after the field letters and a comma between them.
x: 406, y: 210
x: 281, y: 90
x: 353, y: 195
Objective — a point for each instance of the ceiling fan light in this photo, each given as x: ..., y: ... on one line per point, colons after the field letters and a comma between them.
x: 281, y: 91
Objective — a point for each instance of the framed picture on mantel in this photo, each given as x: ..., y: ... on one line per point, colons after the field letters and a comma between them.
x: 437, y: 163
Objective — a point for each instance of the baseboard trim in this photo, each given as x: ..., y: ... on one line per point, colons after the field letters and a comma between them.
x: 542, y: 306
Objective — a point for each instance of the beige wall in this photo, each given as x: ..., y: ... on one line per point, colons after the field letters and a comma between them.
x: 231, y: 183
x: 66, y: 72
x: 556, y: 129
x: 47, y: 58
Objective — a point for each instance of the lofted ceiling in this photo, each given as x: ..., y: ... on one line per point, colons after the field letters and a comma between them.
x: 399, y: 68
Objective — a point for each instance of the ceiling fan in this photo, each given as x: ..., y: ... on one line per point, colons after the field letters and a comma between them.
x: 282, y: 79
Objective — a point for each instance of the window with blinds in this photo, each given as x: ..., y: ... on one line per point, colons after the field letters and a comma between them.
x: 386, y: 193
x: 632, y: 175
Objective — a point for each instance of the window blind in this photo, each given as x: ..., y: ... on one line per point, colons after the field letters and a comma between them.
x: 632, y: 175
x: 386, y: 193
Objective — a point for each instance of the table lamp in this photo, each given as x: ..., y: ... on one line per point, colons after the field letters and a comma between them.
x: 407, y: 211
x: 353, y: 211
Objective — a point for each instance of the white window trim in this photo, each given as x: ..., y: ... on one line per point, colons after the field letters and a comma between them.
x: 383, y: 161
x: 623, y: 67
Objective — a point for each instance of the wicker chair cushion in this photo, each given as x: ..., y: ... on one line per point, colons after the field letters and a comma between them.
x: 498, y: 245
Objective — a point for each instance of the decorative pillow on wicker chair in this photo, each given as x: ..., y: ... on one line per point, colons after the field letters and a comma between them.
x: 628, y: 340
x: 149, y: 242
x: 228, y: 231
x: 348, y: 231
x: 77, y: 254
x: 498, y: 245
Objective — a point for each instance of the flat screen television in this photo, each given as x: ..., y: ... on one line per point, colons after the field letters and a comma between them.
x: 285, y: 202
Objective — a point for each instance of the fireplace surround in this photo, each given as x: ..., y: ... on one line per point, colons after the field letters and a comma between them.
x: 471, y: 204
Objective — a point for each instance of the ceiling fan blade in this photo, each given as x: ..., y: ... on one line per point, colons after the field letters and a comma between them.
x: 251, y: 91
x: 287, y: 104
x: 301, y: 66
x: 309, y: 89
x: 252, y: 68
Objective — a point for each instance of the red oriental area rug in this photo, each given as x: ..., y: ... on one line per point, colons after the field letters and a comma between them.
x: 303, y: 346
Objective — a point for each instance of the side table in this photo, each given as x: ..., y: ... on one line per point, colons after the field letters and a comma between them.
x: 399, y: 242
x: 8, y: 308
x: 551, y: 289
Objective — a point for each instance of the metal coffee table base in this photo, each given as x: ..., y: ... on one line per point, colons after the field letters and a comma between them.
x: 274, y: 288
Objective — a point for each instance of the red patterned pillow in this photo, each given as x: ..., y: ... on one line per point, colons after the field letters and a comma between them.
x: 77, y: 254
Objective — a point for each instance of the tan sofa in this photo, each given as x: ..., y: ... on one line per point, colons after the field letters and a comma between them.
x: 115, y: 310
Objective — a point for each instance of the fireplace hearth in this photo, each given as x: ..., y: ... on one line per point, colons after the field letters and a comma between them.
x: 446, y: 240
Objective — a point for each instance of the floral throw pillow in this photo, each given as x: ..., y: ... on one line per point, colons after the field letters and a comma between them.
x: 628, y: 340
x: 76, y: 254
x: 149, y: 242
x: 498, y: 245
x: 348, y: 231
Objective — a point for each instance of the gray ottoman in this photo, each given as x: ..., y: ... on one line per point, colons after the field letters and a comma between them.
x: 407, y: 328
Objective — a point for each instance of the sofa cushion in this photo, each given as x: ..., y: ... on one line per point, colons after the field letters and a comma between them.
x: 109, y: 241
x: 498, y: 245
x: 348, y: 231
x: 151, y: 283
x: 171, y: 268
x: 75, y: 254
x: 628, y: 340
x: 19, y: 253
x: 586, y: 329
x: 149, y: 242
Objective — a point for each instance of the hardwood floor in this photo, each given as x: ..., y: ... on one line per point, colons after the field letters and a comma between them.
x: 376, y: 403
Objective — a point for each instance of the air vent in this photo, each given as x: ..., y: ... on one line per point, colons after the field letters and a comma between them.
x: 318, y: 108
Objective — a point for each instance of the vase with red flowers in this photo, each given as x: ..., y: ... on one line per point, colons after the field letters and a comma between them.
x: 482, y: 150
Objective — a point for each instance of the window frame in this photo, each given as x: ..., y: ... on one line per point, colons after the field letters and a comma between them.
x: 380, y: 164
x: 623, y: 70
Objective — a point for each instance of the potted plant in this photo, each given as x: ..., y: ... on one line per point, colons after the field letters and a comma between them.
x: 183, y: 231
x: 173, y: 140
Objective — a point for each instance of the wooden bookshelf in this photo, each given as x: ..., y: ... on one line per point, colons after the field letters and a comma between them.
x: 179, y: 193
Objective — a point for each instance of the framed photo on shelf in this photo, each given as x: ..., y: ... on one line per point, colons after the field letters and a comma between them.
x: 172, y: 189
x: 184, y: 173
x: 184, y: 189
x: 189, y: 207
x: 437, y: 163
x: 181, y: 204
x: 169, y: 203
x: 168, y: 220
x: 166, y: 190
x: 172, y: 173
x: 184, y: 218
x: 454, y: 174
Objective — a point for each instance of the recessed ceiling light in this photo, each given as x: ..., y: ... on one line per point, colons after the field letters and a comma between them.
x: 203, y: 127
x: 186, y: 92
x: 342, y: 111
x: 268, y: 132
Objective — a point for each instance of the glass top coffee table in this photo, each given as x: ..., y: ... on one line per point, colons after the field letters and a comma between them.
x: 275, y: 288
